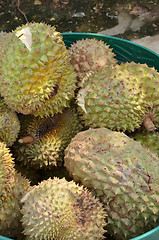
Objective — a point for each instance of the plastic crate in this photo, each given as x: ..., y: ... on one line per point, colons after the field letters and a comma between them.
x: 126, y: 51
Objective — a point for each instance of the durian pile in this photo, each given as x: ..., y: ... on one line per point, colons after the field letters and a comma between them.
x: 79, y: 140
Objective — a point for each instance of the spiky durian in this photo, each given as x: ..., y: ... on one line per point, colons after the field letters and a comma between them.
x: 6, y: 168
x: 9, y: 124
x: 12, y: 188
x: 148, y: 139
x: 122, y: 173
x: 3, y: 39
x: 91, y: 55
x: 112, y: 99
x: 57, y: 209
x: 10, y: 202
x: 149, y: 78
x: 45, y: 139
x: 36, y: 74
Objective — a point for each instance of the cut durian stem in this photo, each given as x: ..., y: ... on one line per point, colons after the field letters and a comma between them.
x: 27, y: 139
x: 148, y: 124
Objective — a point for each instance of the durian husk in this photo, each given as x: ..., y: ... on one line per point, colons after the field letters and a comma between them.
x: 149, y: 78
x: 9, y: 124
x: 36, y: 74
x: 12, y: 188
x: 112, y: 99
x: 43, y: 140
x: 91, y: 55
x: 145, y: 75
x: 58, y: 209
x: 122, y: 173
x: 10, y: 215
x: 6, y: 168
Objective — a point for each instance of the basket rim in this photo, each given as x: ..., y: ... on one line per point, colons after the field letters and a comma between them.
x: 109, y: 37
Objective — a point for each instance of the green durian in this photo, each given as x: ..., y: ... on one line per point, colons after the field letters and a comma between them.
x: 9, y: 124
x: 91, y: 55
x: 6, y: 168
x: 44, y: 140
x: 58, y: 209
x: 4, y: 36
x: 10, y: 211
x: 145, y: 75
x: 148, y: 139
x: 122, y: 173
x: 36, y: 74
x: 12, y: 188
x: 149, y: 78
x: 112, y: 99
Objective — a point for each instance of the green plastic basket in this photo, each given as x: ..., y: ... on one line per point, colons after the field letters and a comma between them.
x: 126, y: 51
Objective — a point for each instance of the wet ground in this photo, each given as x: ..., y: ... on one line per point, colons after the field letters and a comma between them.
x: 125, y: 18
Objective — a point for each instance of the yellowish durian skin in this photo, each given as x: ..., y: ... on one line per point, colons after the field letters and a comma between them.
x: 122, y: 173
x: 36, y: 74
x: 10, y: 215
x: 4, y: 36
x: 9, y: 124
x: 49, y: 137
x: 62, y: 210
x: 6, y: 168
x: 149, y: 78
x: 110, y: 99
x: 91, y: 55
x: 12, y: 188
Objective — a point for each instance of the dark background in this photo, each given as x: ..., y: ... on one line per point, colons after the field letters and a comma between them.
x: 79, y: 15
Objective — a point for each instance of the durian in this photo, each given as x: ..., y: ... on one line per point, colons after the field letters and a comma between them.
x: 58, y: 209
x: 9, y: 124
x: 12, y: 188
x: 3, y: 39
x: 6, y: 168
x: 148, y: 139
x: 36, y: 74
x: 10, y: 215
x: 91, y: 55
x: 44, y: 139
x: 148, y: 77
x: 122, y: 173
x: 145, y: 75
x: 112, y: 99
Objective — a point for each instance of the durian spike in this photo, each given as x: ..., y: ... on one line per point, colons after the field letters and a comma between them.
x: 27, y: 139
x: 148, y: 124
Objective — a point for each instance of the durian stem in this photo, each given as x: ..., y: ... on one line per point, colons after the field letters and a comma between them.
x: 27, y: 139
x: 148, y: 124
